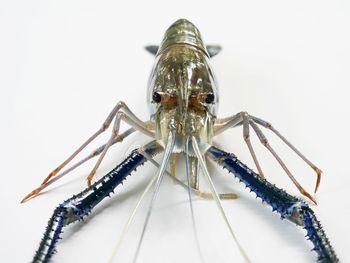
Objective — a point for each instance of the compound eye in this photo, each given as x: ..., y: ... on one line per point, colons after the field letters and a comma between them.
x: 156, y: 97
x: 209, y: 98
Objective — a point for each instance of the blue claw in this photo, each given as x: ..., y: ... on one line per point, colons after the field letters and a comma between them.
x: 288, y: 206
x: 79, y: 206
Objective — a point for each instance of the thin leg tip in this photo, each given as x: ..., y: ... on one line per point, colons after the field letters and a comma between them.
x: 89, y: 182
x: 310, y: 198
x: 27, y: 197
x: 305, y: 193
x: 314, y: 201
x: 318, y: 181
x: 90, y: 177
x: 31, y: 195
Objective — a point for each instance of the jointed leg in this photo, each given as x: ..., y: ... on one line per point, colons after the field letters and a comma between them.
x: 120, y: 138
x: 225, y: 123
x: 248, y: 120
x: 120, y: 105
x: 93, y: 154
x: 132, y: 120
x: 233, y: 121
x: 115, y: 133
x: 270, y: 127
x: 265, y: 142
x: 247, y: 140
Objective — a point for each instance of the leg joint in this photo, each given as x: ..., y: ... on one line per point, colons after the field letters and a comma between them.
x: 246, y: 137
x: 121, y: 104
x: 69, y: 212
x: 295, y: 213
x: 265, y: 142
x: 244, y: 114
x: 120, y: 114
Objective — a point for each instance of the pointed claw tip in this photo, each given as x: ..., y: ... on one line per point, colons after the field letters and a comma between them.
x: 318, y: 181
x: 316, y: 188
x: 31, y: 195
x: 312, y: 199
x: 26, y: 198
x: 303, y: 192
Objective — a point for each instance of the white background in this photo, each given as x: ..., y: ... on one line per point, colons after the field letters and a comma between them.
x: 64, y: 65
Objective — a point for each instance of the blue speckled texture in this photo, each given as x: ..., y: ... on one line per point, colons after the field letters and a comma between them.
x: 285, y: 204
x: 318, y: 237
x: 80, y: 205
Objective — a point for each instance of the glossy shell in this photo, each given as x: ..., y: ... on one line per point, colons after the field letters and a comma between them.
x: 183, y: 78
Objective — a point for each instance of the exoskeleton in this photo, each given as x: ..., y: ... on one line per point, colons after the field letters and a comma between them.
x: 183, y: 99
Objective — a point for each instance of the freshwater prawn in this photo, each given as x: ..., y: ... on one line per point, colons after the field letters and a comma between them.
x: 183, y: 99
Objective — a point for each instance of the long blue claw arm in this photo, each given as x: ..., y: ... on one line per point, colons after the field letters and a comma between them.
x: 289, y: 207
x: 80, y: 205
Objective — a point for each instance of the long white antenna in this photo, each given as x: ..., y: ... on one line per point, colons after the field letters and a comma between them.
x: 195, y: 232
x: 131, y: 218
x: 216, y: 196
x: 166, y: 157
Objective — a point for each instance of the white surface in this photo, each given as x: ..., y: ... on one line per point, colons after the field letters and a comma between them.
x: 64, y: 64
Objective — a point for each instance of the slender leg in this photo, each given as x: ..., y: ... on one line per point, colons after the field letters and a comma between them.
x: 233, y: 121
x: 289, y: 207
x: 132, y: 120
x: 115, y: 133
x: 265, y: 142
x: 120, y: 105
x: 81, y: 205
x: 248, y: 120
x: 126, y: 115
x: 94, y: 153
x: 270, y: 127
x: 225, y: 123
x: 248, y: 142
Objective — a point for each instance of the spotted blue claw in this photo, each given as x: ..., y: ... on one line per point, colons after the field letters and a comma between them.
x: 79, y: 206
x: 288, y: 206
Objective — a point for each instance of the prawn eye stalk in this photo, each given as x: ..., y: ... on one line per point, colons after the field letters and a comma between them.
x: 183, y: 100
x: 156, y: 97
x: 209, y: 98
